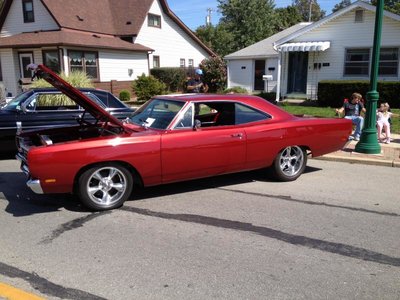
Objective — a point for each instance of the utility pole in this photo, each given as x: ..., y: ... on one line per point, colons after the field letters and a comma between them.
x: 208, y: 17
x: 310, y: 11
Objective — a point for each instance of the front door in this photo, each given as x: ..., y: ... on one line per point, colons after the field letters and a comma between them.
x: 24, y: 60
x: 297, y: 76
x: 259, y: 71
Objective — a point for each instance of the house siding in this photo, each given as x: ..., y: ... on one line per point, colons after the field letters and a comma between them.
x: 116, y: 65
x: 241, y: 73
x: 343, y: 33
x: 170, y: 42
x: 8, y: 63
x: 14, y: 23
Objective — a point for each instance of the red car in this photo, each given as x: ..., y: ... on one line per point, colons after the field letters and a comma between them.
x: 169, y: 139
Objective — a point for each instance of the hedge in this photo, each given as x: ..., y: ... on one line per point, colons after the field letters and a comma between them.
x: 332, y: 93
x: 174, y: 78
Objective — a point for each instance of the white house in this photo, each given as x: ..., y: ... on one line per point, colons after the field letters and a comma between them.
x: 109, y: 40
x: 338, y: 47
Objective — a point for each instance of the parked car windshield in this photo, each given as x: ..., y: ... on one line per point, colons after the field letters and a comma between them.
x: 15, y: 104
x: 157, y: 113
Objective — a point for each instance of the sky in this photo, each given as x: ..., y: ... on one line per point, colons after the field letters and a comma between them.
x: 193, y: 12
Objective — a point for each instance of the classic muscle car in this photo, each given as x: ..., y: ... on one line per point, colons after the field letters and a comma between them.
x: 169, y: 139
x: 46, y: 107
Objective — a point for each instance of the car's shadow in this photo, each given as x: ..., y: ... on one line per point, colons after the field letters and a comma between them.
x: 23, y: 202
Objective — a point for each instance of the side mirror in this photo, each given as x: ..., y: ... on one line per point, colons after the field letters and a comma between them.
x: 197, y: 124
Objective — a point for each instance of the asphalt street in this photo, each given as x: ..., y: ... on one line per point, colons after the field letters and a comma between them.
x: 331, y: 234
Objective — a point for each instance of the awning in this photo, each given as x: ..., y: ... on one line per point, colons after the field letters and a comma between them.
x: 304, y: 46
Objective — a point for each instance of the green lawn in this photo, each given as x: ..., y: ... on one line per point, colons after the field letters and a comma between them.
x: 329, y: 112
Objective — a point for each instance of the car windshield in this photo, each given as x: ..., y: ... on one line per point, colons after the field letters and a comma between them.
x: 15, y: 104
x: 157, y: 113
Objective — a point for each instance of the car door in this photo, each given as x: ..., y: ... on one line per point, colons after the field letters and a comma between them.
x: 187, y: 152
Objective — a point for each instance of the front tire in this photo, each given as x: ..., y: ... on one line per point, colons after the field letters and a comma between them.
x: 289, y: 164
x: 105, y: 186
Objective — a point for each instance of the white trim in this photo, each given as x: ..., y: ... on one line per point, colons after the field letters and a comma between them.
x: 304, y: 46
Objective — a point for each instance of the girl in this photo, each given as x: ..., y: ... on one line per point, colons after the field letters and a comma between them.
x: 382, y: 121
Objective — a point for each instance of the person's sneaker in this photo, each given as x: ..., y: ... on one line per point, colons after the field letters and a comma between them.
x: 356, y: 138
x: 350, y: 138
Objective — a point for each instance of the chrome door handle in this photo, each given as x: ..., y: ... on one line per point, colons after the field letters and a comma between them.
x: 237, y: 135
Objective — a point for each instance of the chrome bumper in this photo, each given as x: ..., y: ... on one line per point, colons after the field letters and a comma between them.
x: 33, y: 184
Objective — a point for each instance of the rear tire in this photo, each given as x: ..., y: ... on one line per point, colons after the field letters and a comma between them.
x: 289, y: 164
x: 105, y: 186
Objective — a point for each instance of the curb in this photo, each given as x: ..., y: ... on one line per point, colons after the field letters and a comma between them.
x: 364, y: 161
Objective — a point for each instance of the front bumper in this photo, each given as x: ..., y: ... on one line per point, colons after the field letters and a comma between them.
x: 33, y: 184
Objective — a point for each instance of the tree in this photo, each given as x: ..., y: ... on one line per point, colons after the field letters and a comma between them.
x: 286, y: 17
x: 218, y: 38
x: 304, y: 8
x: 249, y: 21
x: 215, y: 74
x: 390, y: 5
x: 340, y: 5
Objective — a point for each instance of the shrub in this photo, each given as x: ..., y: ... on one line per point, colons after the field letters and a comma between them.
x: 214, y: 70
x: 270, y: 96
x: 125, y: 95
x: 174, y: 78
x: 236, y: 90
x: 75, y: 78
x: 332, y: 93
x: 146, y: 87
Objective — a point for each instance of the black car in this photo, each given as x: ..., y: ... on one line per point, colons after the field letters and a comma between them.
x: 48, y: 107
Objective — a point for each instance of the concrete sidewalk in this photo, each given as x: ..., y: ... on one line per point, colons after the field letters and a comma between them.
x: 389, y: 156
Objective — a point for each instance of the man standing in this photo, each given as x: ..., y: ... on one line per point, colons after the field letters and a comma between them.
x: 352, y: 111
x: 196, y: 85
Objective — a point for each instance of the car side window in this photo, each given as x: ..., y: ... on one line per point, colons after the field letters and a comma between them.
x: 225, y: 113
x: 245, y: 114
x: 48, y: 101
x: 186, y: 119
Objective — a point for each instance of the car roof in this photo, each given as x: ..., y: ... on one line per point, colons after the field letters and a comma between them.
x: 254, y: 101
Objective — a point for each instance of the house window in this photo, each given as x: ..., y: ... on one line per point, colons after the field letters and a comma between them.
x: 51, y: 60
x: 389, y: 62
x: 154, y: 20
x: 190, y: 63
x: 182, y: 63
x: 84, y: 61
x: 27, y: 7
x: 356, y: 62
x: 156, y: 61
x: 359, y: 16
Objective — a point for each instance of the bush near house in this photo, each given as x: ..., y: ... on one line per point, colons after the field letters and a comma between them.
x: 215, y: 74
x: 269, y: 96
x: 236, y: 90
x: 146, y: 87
x: 77, y: 79
x: 332, y: 93
x: 125, y: 95
x: 173, y: 78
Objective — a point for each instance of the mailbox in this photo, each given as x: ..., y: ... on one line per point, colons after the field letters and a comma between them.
x: 267, y: 77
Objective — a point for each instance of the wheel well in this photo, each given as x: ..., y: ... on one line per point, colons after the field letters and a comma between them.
x: 137, y: 179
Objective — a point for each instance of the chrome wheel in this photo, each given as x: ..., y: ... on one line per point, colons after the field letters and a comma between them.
x: 291, y: 160
x: 289, y: 163
x: 106, y: 186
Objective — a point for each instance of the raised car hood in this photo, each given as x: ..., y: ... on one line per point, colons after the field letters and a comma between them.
x: 81, y: 99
